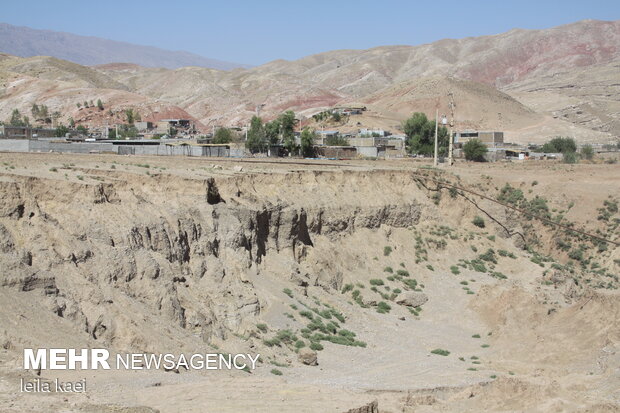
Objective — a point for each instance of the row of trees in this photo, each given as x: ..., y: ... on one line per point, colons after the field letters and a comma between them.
x: 279, y: 130
x: 568, y: 148
x: 90, y: 104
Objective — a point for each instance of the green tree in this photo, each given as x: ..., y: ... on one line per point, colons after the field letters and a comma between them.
x: 223, y: 135
x: 272, y: 131
x: 307, y: 142
x: 560, y: 144
x: 420, y: 133
x: 475, y: 150
x: 256, y: 136
x: 71, y: 123
x: 61, y: 131
x: 85, y: 104
x: 82, y: 129
x: 127, y: 131
x: 287, y: 124
x: 99, y: 104
x: 587, y: 152
x: 16, y: 119
x: 112, y: 133
x: 130, y: 116
x: 336, y: 141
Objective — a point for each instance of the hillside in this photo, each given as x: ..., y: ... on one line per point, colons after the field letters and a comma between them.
x: 87, y: 50
x: 532, y: 84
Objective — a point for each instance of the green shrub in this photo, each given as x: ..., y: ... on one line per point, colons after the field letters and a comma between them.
x: 288, y: 292
x: 383, y: 307
x: 286, y: 336
x: 387, y: 250
x: 488, y: 256
x: 271, y: 342
x: 411, y: 283
x: 570, y: 157
x: 402, y: 273
x: 316, y: 346
x: 276, y: 372
x: 478, y: 221
x: 440, y: 352
x: 307, y: 314
x: 347, y: 288
x: 455, y: 270
x: 388, y: 269
x: 262, y: 327
x: 476, y: 336
x: 376, y: 281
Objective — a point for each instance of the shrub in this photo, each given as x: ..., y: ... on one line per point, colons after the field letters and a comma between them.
x: 288, y: 292
x: 402, y: 273
x: 286, y: 336
x: 488, y: 256
x: 316, y: 346
x: 307, y: 314
x: 440, y: 352
x: 383, y: 307
x: 478, y: 221
x: 411, y: 283
x: 475, y: 150
x: 262, y: 327
x: 476, y: 336
x: 338, y: 316
x: 347, y: 288
x: 376, y: 281
x: 455, y: 270
x: 570, y: 158
x: 276, y: 372
x: 271, y: 342
x: 478, y: 265
x: 387, y: 250
x: 388, y: 269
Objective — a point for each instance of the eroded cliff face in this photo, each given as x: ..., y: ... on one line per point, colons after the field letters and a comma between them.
x: 122, y: 260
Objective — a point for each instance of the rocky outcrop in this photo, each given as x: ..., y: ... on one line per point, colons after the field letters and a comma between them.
x: 308, y: 357
x: 412, y: 299
x: 100, y: 251
x: 372, y: 407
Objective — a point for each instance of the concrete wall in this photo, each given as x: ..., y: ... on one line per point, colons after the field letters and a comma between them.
x: 46, y: 146
x: 14, y: 145
x: 370, y: 151
x: 25, y: 145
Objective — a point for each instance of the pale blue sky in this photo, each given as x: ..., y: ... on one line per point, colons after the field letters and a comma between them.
x: 255, y: 32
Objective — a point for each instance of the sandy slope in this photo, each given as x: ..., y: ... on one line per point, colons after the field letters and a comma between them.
x: 78, y: 271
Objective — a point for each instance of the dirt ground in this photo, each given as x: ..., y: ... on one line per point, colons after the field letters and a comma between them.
x: 538, y: 330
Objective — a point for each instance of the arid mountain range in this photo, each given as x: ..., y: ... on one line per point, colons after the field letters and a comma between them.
x: 88, y: 50
x: 532, y: 84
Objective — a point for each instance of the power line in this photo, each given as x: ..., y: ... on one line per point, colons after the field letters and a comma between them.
x: 522, y: 211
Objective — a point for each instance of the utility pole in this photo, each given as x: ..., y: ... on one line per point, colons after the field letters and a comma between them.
x: 451, y: 138
x: 436, y: 126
